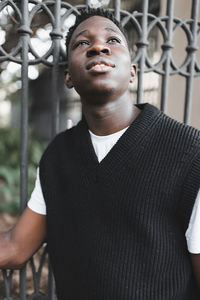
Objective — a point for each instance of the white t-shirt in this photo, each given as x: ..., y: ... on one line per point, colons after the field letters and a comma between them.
x: 102, y: 145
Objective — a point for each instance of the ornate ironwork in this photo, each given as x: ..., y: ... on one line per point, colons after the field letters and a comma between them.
x: 25, y: 54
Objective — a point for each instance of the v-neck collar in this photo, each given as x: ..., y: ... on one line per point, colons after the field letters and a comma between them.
x: 128, y: 143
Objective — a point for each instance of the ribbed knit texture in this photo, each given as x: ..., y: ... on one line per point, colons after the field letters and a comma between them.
x: 116, y: 229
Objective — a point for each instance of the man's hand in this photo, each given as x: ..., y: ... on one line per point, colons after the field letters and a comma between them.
x: 19, y: 244
x: 196, y: 267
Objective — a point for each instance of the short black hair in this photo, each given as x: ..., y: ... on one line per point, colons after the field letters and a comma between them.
x: 89, y: 12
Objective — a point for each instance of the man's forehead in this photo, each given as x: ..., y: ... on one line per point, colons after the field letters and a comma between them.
x: 92, y: 23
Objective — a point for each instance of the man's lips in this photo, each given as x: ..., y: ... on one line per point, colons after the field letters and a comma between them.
x: 99, y: 66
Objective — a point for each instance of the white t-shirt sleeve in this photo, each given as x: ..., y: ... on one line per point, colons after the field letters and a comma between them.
x: 193, y: 231
x: 36, y: 202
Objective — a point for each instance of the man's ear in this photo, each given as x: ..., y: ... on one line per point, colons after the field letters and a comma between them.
x: 68, y: 80
x: 133, y: 72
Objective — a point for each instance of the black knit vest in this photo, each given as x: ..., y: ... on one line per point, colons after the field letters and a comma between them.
x: 116, y: 229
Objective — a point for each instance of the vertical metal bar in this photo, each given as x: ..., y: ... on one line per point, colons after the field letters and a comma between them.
x: 7, y: 282
x: 56, y: 36
x: 192, y: 48
x: 142, y: 44
x: 51, y: 283
x: 87, y: 3
x: 167, y: 48
x: 117, y: 4
x: 25, y: 32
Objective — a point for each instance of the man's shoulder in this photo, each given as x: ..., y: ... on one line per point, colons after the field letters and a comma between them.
x: 62, y: 141
x: 167, y: 128
x: 63, y: 135
x: 176, y: 130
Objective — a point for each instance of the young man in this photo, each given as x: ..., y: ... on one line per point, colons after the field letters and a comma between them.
x: 119, y: 188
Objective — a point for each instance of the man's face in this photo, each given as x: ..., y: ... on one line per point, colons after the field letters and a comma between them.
x: 99, y: 59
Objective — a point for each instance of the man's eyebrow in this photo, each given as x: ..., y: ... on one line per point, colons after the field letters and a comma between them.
x: 81, y: 33
x: 86, y: 31
x: 111, y: 29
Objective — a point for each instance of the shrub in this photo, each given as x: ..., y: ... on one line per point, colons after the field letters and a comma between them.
x: 10, y: 167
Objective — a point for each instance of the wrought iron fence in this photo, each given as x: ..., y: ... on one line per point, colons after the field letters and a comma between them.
x: 24, y: 54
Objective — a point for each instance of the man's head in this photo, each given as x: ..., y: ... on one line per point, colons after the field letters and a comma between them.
x: 90, y: 12
x: 99, y: 62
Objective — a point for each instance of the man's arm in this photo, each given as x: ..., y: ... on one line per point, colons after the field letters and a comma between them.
x: 19, y: 244
x: 196, y: 267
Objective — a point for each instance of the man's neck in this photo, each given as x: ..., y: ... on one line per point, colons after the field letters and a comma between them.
x: 110, y: 117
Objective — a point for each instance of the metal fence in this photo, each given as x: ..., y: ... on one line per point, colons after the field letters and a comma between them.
x: 142, y: 21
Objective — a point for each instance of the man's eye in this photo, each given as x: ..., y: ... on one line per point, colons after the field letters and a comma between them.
x: 114, y: 40
x: 81, y: 43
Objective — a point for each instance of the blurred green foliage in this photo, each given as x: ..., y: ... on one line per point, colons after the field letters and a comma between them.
x: 10, y: 167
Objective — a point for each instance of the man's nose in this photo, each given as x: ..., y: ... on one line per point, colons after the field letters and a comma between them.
x: 97, y: 49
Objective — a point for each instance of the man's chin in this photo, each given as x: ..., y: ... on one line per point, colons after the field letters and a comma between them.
x: 97, y: 90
